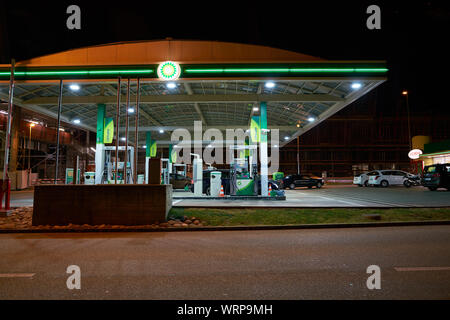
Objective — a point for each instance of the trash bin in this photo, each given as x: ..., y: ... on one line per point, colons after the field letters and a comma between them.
x: 89, y: 177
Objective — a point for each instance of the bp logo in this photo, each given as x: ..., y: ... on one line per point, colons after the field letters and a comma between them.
x: 169, y: 70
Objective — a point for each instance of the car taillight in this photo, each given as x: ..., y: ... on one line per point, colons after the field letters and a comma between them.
x: 436, y: 175
x: 377, y: 177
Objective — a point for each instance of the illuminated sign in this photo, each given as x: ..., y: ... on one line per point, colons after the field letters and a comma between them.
x: 415, y: 153
x: 168, y: 70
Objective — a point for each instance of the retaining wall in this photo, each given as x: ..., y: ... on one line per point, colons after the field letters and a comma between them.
x: 135, y: 204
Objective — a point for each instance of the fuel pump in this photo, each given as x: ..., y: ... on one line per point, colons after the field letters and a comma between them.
x: 122, y: 171
x: 244, y: 177
x: 166, y: 170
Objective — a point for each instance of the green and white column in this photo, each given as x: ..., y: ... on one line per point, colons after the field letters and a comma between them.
x: 100, y: 146
x: 150, y: 151
x: 263, y: 150
x: 148, y: 143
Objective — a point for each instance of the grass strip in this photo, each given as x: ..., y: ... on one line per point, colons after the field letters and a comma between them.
x: 288, y: 216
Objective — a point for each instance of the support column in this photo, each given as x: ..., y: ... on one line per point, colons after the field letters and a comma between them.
x: 100, y: 146
x: 298, y: 155
x: 263, y: 150
x: 57, y: 128
x: 17, y: 117
x: 8, y: 126
x: 171, y: 159
x: 148, y: 143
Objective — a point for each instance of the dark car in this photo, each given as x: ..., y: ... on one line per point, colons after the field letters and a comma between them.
x: 294, y: 180
x: 179, y: 181
x: 436, y: 176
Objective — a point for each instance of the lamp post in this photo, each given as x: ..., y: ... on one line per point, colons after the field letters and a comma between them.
x: 405, y: 93
x: 29, y: 155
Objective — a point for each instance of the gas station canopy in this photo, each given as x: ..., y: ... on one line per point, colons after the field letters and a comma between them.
x: 220, y: 84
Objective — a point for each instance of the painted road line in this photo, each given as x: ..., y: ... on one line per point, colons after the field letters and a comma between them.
x: 347, y: 202
x: 366, y: 200
x: 16, y: 275
x: 401, y: 269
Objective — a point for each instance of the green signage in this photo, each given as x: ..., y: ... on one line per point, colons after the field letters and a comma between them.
x: 101, y: 111
x: 263, y: 121
x: 150, y: 145
x: 255, y: 129
x: 153, y: 148
x: 69, y: 176
x: 172, y: 154
x: 108, y: 131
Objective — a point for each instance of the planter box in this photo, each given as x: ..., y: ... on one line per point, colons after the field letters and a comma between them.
x: 133, y: 204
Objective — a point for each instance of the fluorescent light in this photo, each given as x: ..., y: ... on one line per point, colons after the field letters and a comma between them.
x: 74, y: 87
x: 161, y: 131
x: 311, y: 119
x: 275, y: 146
x: 93, y: 149
x: 77, y: 121
x: 286, y: 138
x: 270, y: 84
x: 356, y: 85
x: 123, y: 139
x: 144, y: 146
x: 130, y: 110
x: 255, y: 109
x: 171, y: 85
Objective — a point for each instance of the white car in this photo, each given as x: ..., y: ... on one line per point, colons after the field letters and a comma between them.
x: 386, y: 178
x: 362, y: 179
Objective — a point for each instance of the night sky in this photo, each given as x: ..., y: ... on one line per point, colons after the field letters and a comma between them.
x: 413, y: 38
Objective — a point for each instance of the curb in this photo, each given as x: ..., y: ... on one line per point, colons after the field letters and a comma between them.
x: 238, y: 228
x: 300, y: 207
x: 234, y: 198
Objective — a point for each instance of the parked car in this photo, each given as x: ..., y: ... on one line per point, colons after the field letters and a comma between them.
x: 294, y: 180
x: 436, y: 176
x: 362, y: 179
x: 179, y: 181
x: 386, y: 178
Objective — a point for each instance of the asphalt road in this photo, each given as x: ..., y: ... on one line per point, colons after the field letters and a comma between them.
x: 275, y: 264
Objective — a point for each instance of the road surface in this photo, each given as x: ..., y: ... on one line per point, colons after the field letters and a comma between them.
x: 272, y: 264
x: 328, y: 196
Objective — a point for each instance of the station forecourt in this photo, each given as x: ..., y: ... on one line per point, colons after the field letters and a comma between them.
x: 168, y: 85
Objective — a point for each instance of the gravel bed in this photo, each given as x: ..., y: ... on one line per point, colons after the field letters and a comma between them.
x: 21, y: 218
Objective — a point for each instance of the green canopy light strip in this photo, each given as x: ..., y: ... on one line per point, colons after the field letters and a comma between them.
x: 76, y: 72
x: 284, y: 70
x: 196, y: 71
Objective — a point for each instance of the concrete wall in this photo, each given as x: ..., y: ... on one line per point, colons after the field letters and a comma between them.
x: 101, y: 204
